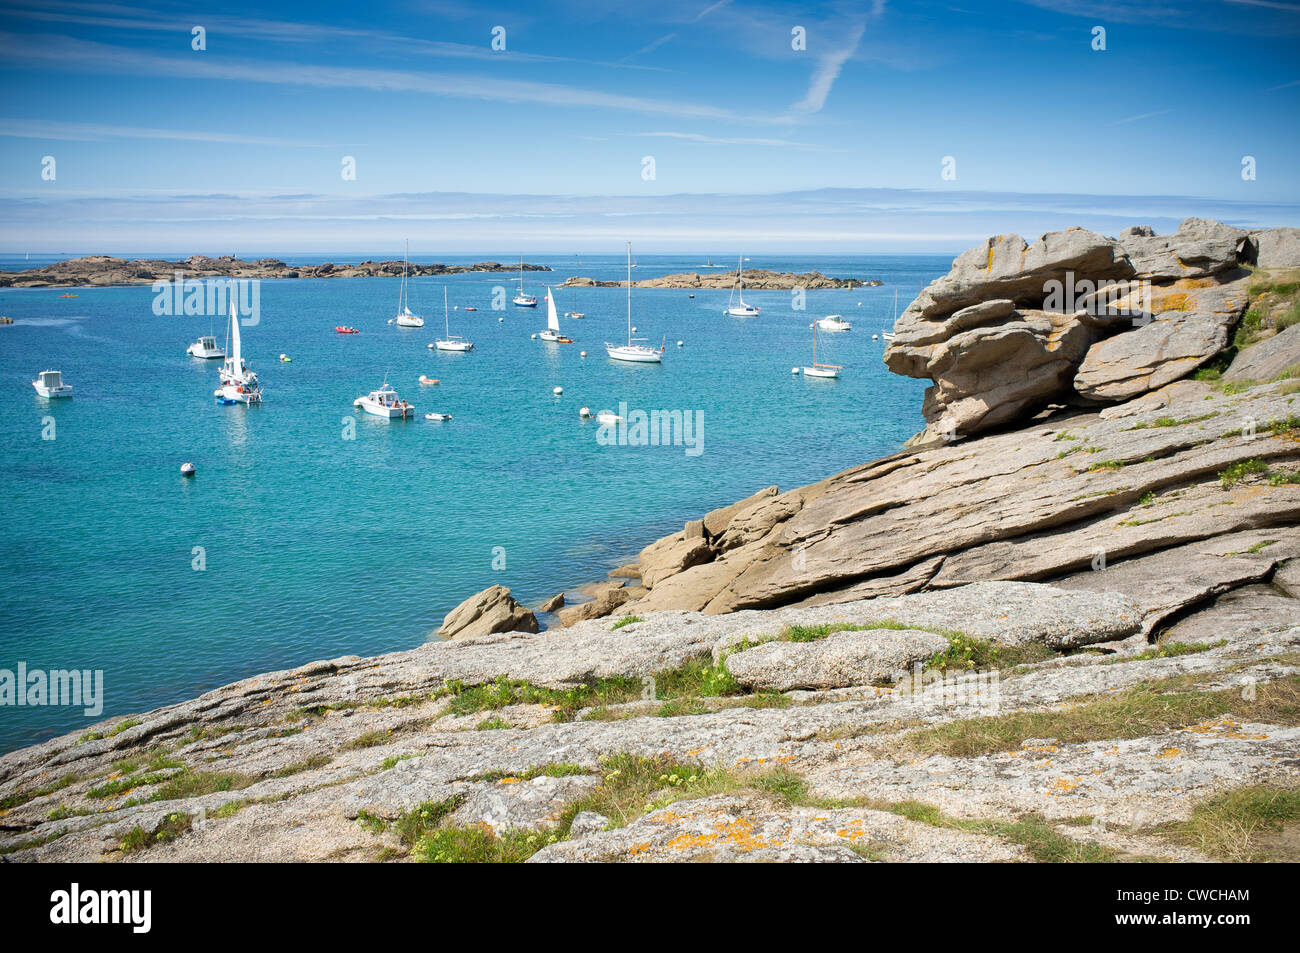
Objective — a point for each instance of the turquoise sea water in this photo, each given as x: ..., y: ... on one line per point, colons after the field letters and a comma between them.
x: 318, y: 546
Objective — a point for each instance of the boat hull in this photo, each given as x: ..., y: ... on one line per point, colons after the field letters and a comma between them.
x: 633, y: 355
x: 820, y: 373
x: 455, y: 346
x: 51, y: 393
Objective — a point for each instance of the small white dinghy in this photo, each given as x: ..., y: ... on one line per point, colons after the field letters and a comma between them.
x: 50, y: 385
x: 608, y: 417
x: 384, y: 402
x: 437, y: 416
x: 206, y: 348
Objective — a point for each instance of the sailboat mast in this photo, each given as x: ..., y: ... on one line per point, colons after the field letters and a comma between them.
x: 629, y: 293
x: 446, y: 319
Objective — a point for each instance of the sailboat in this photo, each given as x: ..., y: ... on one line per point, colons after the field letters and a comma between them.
x: 405, y: 318
x: 552, y: 332
x: 740, y: 310
x: 889, y: 335
x: 575, y: 313
x: 452, y: 342
x: 631, y: 351
x: 238, y: 383
x: 521, y: 299
x: 820, y: 370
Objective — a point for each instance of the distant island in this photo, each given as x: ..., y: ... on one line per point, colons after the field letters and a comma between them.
x: 102, y: 270
x: 757, y: 279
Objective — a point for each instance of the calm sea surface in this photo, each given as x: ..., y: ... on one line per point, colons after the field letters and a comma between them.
x: 317, y: 546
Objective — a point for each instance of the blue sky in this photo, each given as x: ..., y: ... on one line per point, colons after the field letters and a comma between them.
x: 461, y: 147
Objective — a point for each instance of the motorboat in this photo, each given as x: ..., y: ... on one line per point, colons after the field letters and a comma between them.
x: 384, y: 402
x: 206, y: 348
x: 50, y: 385
x: 834, y: 322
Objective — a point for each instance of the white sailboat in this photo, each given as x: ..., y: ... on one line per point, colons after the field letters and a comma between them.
x: 238, y: 382
x: 575, y: 313
x: 631, y: 351
x: 889, y: 335
x: 820, y: 370
x: 405, y: 318
x: 552, y: 332
x: 740, y: 310
x: 452, y: 342
x: 521, y: 299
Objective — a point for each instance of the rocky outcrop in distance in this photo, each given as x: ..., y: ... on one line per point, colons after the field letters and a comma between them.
x: 757, y: 280
x: 102, y: 270
x: 1076, y: 317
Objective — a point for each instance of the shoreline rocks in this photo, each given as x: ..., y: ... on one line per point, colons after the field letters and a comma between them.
x: 486, y: 612
x: 756, y: 280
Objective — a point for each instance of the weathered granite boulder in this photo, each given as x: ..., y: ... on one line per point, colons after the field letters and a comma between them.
x: 553, y: 604
x: 988, y: 376
x: 1266, y: 359
x: 1005, y: 266
x: 842, y: 659
x: 492, y: 610
x: 1173, y: 345
x: 1278, y: 248
x: 1201, y: 250
x: 1003, y: 333
x: 716, y: 521
x: 671, y: 555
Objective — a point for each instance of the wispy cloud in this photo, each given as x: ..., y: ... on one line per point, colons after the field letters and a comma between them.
x: 280, y: 31
x: 1141, y: 116
x: 732, y: 140
x: 709, y: 9
x: 65, y: 52
x: 827, y: 72
x: 95, y: 132
x: 653, y: 45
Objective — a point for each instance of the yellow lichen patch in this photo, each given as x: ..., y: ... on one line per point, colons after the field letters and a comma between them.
x: 1169, y: 753
x: 1063, y: 785
x: 508, y: 781
x: 1225, y: 728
